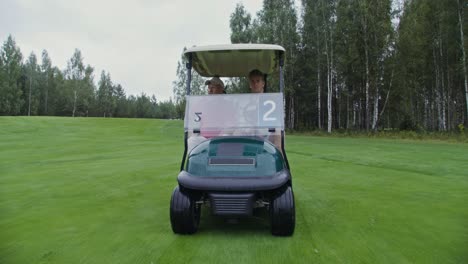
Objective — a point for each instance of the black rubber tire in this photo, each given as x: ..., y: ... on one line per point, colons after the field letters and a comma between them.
x: 184, y: 213
x: 283, y: 213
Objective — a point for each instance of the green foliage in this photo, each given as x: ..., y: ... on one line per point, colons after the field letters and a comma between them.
x: 144, y: 106
x: 408, y: 124
x: 47, y: 91
x: 106, y: 95
x: 11, y: 100
x: 166, y: 110
x: 179, y: 87
x: 79, y: 86
x: 31, y: 92
x: 277, y: 23
x: 383, y: 60
x: 349, y: 64
x: 237, y: 85
x: 71, y: 92
x: 461, y: 128
x: 428, y: 53
x: 241, y: 25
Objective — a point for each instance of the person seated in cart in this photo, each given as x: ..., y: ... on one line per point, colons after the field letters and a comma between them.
x: 215, y: 86
x: 256, y: 81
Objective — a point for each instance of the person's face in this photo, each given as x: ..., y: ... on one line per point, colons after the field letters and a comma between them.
x: 257, y: 84
x: 215, y: 89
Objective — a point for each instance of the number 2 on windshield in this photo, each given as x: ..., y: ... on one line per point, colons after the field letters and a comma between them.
x: 266, y: 116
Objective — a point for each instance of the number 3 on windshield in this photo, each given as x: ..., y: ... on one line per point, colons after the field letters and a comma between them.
x: 198, y: 116
x: 272, y: 106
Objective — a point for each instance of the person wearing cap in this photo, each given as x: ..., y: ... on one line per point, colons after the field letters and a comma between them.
x: 215, y: 85
x: 257, y: 81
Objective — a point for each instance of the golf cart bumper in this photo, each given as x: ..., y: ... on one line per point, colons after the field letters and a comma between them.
x: 234, y: 184
x: 233, y: 196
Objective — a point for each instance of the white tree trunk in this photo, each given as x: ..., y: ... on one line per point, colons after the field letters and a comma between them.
x: 328, y: 54
x: 30, y: 89
x: 74, y: 104
x: 337, y: 96
x: 376, y: 109
x: 426, y: 113
x: 291, y: 112
x: 329, y: 90
x: 375, y: 120
x: 319, y: 86
x: 366, y: 50
x: 354, y: 114
x: 437, y: 89
x: 367, y: 84
x: 329, y: 78
x: 442, y: 86
x: 332, y: 74
x: 46, y: 93
x: 388, y: 95
x: 439, y: 110
x: 347, y: 110
x: 460, y: 22
x: 319, y: 99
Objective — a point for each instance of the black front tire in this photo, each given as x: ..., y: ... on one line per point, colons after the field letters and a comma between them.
x: 283, y: 213
x: 184, y: 213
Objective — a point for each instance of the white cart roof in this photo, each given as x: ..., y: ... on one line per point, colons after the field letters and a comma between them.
x: 235, y: 60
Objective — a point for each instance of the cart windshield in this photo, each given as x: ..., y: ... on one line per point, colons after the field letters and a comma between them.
x: 257, y: 115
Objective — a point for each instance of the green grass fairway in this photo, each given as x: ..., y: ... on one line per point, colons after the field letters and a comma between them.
x: 93, y: 190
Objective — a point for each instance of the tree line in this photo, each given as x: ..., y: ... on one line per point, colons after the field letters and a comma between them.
x: 364, y: 64
x: 30, y: 88
x: 350, y: 65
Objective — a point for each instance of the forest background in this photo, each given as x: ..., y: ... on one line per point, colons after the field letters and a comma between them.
x: 350, y: 66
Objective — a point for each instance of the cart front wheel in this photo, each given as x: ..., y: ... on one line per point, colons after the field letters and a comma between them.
x: 282, y: 213
x: 184, y: 213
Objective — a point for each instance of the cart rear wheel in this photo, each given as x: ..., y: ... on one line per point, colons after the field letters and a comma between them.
x: 282, y: 213
x: 184, y: 213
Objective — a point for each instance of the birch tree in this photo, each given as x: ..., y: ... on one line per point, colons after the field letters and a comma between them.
x: 75, y: 75
x: 31, y: 69
x: 46, y: 72
x: 462, y: 47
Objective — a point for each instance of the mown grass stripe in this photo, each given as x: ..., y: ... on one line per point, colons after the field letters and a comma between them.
x: 94, y: 190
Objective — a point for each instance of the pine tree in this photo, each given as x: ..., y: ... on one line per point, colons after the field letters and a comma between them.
x: 11, y: 100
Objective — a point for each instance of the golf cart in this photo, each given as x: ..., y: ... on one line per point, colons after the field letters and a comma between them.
x: 234, y: 158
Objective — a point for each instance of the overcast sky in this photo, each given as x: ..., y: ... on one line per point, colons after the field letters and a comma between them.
x: 138, y: 42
